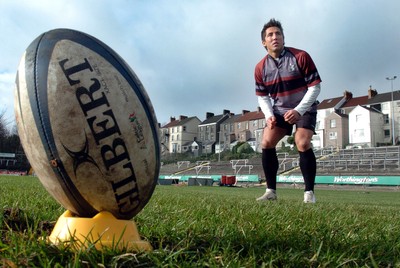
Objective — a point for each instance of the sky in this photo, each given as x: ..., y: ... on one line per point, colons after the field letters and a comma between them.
x: 198, y: 56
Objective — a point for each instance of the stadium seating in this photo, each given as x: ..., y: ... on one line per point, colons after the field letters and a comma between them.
x: 366, y: 161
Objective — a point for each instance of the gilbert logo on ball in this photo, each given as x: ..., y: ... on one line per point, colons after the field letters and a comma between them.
x: 87, y: 125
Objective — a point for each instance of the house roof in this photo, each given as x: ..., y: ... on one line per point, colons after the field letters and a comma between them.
x: 353, y: 102
x: 339, y: 114
x: 182, y: 122
x: 384, y: 97
x: 171, y: 124
x: 231, y: 119
x: 186, y: 120
x: 187, y: 143
x: 329, y: 103
x: 371, y: 109
x: 256, y: 115
x: 206, y: 143
x: 212, y: 119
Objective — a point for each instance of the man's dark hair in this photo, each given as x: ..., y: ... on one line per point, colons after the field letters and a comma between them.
x: 272, y: 23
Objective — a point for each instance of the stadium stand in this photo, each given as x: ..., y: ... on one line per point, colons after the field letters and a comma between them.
x: 378, y: 159
x: 366, y: 161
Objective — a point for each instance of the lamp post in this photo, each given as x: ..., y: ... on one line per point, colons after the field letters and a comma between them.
x: 392, y: 108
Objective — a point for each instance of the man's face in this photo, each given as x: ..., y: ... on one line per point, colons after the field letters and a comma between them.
x: 274, y: 40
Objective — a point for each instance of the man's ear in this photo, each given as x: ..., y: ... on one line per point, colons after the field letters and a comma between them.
x: 264, y: 44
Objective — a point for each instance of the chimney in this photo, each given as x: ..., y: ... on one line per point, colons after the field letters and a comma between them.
x: 208, y: 115
x: 226, y: 112
x: 371, y: 92
x: 258, y: 109
x: 245, y: 112
x: 182, y: 117
x: 347, y: 95
x: 172, y: 119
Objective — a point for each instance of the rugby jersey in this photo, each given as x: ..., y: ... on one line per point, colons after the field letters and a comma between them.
x: 286, y: 79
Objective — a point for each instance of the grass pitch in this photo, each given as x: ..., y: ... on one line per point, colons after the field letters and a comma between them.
x: 217, y: 227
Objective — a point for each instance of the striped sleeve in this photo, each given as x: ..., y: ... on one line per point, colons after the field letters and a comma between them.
x: 261, y: 89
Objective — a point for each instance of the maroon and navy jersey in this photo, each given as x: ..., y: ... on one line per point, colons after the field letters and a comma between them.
x: 286, y: 79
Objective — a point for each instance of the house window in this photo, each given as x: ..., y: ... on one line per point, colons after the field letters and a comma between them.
x: 333, y: 123
x: 177, y: 137
x: 387, y: 133
x: 184, y: 128
x: 239, y: 125
x: 386, y: 119
x: 358, y: 117
x: 255, y: 123
x: 332, y: 135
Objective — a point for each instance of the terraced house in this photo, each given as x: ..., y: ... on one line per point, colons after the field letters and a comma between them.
x: 342, y: 122
x: 178, y: 135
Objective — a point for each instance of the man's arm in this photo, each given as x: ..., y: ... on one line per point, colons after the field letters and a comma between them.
x: 266, y: 108
x: 309, y: 98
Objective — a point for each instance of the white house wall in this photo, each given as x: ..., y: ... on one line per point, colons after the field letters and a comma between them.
x: 369, y: 124
x: 359, y: 126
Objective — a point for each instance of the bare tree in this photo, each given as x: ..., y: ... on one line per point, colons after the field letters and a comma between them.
x: 3, y: 129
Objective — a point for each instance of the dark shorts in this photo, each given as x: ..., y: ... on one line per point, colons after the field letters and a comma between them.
x: 307, y: 120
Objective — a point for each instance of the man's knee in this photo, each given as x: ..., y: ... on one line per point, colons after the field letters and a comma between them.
x: 303, y: 139
x: 303, y: 145
x: 266, y: 144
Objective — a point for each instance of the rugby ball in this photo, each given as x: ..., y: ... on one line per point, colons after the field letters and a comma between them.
x: 87, y: 125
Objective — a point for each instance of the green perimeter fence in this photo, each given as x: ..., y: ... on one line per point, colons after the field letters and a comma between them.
x: 340, y: 180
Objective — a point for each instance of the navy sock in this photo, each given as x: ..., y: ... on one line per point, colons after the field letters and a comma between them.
x: 308, y: 167
x: 270, y: 165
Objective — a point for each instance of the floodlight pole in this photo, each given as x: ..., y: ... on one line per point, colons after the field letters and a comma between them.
x: 392, y: 107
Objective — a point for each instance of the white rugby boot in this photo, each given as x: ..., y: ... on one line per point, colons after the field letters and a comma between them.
x: 309, y: 197
x: 269, y: 195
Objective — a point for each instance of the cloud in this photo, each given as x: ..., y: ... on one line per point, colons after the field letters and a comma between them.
x: 198, y: 56
x: 6, y: 95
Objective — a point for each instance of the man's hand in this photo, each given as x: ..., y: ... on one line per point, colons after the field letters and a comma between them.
x: 271, y: 122
x: 291, y: 116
